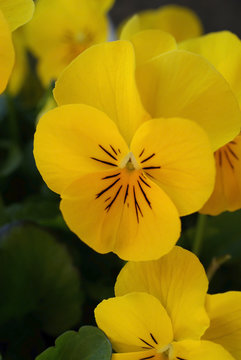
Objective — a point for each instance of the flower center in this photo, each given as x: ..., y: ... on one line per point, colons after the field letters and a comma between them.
x: 129, y: 162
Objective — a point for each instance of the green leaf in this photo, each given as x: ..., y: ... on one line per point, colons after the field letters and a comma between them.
x: 39, y: 286
x: 89, y: 343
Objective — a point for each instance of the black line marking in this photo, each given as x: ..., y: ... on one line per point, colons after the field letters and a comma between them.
x: 151, y: 167
x: 126, y: 194
x: 180, y: 358
x: 148, y: 158
x: 220, y: 158
x: 153, y: 339
x: 113, y: 149
x: 148, y: 357
x: 106, y: 189
x: 142, y: 152
x: 150, y: 175
x: 137, y: 207
x: 144, y: 182
x: 110, y: 176
x: 114, y: 199
x: 144, y: 194
x: 229, y: 161
x: 145, y: 342
x: 107, y: 152
x: 104, y: 162
x: 233, y: 153
x: 233, y: 142
x: 108, y: 198
x: 119, y: 151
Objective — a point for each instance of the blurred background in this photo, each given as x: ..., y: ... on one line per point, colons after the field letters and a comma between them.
x: 50, y: 281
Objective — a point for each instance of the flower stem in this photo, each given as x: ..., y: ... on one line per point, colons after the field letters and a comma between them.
x: 198, y: 240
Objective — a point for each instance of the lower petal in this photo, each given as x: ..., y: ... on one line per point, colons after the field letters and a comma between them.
x: 6, y: 53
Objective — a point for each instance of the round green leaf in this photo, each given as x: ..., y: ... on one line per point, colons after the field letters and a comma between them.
x: 89, y: 343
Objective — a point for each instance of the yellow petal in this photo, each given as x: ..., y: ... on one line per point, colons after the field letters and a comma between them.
x: 140, y: 355
x: 185, y: 85
x: 182, y: 151
x: 224, y: 311
x: 151, y: 43
x: 134, y: 322
x: 179, y: 21
x: 109, y: 86
x: 17, y: 12
x: 65, y: 140
x: 223, y: 50
x: 133, y: 217
x: 227, y: 191
x: 179, y: 281
x: 103, y: 5
x: 200, y: 350
x: 21, y: 63
x: 6, y: 53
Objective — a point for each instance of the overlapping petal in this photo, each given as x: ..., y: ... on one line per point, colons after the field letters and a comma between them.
x: 6, y: 53
x: 223, y: 50
x: 199, y: 350
x: 227, y: 190
x: 177, y: 155
x: 110, y: 86
x: 17, y: 12
x: 224, y: 311
x: 179, y: 281
x: 182, y: 84
x: 137, y: 223
x: 66, y: 140
x: 179, y: 21
x: 134, y: 322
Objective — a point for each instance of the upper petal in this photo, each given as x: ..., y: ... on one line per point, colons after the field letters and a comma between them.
x: 182, y: 151
x: 6, y: 53
x: 179, y: 83
x: 224, y: 311
x: 179, y: 281
x: 68, y: 138
x: 179, y: 21
x: 223, y: 50
x: 132, y: 216
x: 104, y: 77
x: 134, y: 322
x: 200, y: 350
x: 227, y: 190
x: 17, y: 12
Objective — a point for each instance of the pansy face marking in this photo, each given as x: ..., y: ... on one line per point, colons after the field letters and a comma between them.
x: 227, y: 153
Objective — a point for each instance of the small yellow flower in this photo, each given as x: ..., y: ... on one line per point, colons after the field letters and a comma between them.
x: 179, y: 21
x: 62, y: 29
x: 162, y: 311
x: 13, y: 13
x: 223, y: 50
x: 125, y: 176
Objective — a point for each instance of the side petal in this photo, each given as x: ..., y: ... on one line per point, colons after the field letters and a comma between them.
x: 223, y: 50
x: 179, y: 281
x: 134, y: 322
x: 73, y: 140
x: 227, y: 190
x: 136, y: 224
x: 109, y: 84
x: 178, y: 157
x: 199, y: 350
x: 17, y: 12
x: 224, y: 311
x: 6, y: 53
x: 151, y: 43
x: 182, y: 84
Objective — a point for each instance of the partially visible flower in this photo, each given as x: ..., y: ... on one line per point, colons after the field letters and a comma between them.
x: 223, y: 50
x: 62, y: 29
x: 13, y: 13
x: 124, y: 176
x: 162, y: 311
x: 179, y: 21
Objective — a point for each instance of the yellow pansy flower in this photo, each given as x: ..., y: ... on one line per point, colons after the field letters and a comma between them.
x: 125, y: 177
x: 162, y: 311
x: 62, y: 29
x: 223, y: 50
x: 13, y: 13
x: 181, y: 22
